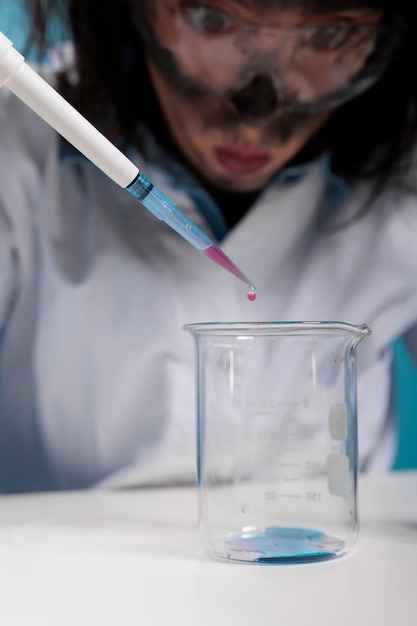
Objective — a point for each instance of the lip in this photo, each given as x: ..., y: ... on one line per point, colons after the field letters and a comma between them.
x: 241, y: 160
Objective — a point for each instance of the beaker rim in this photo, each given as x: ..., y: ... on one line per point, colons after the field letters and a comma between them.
x: 276, y: 328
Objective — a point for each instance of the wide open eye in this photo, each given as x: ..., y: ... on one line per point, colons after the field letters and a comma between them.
x: 207, y: 19
x: 333, y: 37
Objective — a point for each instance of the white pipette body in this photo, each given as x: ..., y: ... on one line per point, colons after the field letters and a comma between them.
x: 25, y: 83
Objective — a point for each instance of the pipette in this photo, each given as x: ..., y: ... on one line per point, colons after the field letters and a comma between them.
x: 34, y: 91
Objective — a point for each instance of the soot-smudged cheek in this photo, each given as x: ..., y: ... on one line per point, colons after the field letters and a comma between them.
x: 210, y: 115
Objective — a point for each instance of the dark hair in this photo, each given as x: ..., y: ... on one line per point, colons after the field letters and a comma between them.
x: 370, y: 137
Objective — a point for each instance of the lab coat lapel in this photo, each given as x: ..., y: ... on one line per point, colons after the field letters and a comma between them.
x: 275, y: 225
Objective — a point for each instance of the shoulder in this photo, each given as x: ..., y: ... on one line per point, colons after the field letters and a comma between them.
x: 21, y: 127
x: 387, y: 221
x: 27, y: 145
x: 22, y: 131
x: 399, y: 210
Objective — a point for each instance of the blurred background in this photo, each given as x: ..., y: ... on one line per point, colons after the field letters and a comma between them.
x: 14, y: 24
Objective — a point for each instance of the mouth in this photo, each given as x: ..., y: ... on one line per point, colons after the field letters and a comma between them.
x: 241, y: 160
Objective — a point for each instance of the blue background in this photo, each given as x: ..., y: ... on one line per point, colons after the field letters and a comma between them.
x: 13, y: 23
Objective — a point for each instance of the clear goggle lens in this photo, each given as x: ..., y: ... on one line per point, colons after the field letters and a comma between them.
x: 296, y: 68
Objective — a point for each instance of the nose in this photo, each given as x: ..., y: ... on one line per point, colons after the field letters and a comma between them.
x: 257, y: 101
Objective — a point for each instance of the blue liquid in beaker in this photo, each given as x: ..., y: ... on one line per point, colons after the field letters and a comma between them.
x: 284, y: 545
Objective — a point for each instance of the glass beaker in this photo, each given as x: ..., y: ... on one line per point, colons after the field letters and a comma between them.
x: 277, y: 439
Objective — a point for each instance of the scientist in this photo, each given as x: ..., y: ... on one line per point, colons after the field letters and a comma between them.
x: 286, y: 130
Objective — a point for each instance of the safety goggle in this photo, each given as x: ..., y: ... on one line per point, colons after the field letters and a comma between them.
x: 309, y: 68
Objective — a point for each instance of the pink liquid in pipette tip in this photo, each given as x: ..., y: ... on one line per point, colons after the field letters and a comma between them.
x: 215, y: 254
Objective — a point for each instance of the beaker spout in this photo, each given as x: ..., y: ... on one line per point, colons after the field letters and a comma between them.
x: 363, y: 331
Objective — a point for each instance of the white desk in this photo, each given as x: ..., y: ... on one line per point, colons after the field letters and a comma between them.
x: 129, y: 558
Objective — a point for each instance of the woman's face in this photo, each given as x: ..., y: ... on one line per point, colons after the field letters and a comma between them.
x: 237, y: 80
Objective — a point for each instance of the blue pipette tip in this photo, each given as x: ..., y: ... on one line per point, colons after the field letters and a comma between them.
x: 165, y: 209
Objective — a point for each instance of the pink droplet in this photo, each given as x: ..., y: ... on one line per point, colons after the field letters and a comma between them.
x: 252, y: 295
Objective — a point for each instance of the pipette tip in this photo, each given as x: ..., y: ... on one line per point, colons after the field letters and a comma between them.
x: 218, y: 256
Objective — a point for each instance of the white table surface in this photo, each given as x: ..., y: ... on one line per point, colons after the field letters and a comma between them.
x: 134, y: 557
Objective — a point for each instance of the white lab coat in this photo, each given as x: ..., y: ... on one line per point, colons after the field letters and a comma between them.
x: 97, y: 375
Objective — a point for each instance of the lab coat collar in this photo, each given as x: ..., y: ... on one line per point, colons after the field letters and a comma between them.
x: 179, y: 177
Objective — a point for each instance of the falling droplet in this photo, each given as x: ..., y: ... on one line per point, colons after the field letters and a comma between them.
x: 252, y: 294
